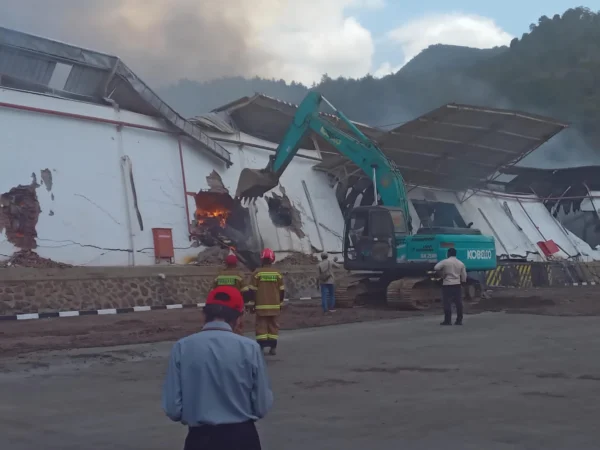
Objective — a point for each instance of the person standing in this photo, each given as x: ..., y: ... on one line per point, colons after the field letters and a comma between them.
x: 217, y: 383
x: 230, y: 275
x: 327, y: 282
x: 454, y: 273
x: 266, y: 283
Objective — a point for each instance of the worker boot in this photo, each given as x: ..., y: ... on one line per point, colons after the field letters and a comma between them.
x: 447, y: 318
x: 273, y: 351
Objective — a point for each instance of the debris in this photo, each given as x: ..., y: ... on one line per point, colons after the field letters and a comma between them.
x: 215, y: 183
x: 19, y: 214
x: 297, y: 259
x: 283, y: 213
x: 29, y: 258
x: 46, y: 176
x: 212, y: 256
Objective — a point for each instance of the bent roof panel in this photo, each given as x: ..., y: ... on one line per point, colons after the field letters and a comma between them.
x: 454, y: 147
x: 29, y: 62
x: 461, y: 146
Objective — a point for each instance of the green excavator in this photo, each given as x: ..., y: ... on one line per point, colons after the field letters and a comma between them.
x: 387, y: 259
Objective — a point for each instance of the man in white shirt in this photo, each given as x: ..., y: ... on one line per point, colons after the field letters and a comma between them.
x: 454, y: 273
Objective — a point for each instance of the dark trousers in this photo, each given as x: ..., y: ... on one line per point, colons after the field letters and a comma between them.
x: 452, y: 294
x: 236, y: 436
x: 328, y: 297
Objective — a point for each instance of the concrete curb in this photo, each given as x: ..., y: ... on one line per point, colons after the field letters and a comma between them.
x: 110, y: 312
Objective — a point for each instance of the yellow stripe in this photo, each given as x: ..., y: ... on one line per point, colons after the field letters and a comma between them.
x: 262, y: 337
x: 268, y: 306
x: 245, y: 289
x: 282, y: 288
x: 273, y: 336
x: 528, y: 281
x: 253, y: 288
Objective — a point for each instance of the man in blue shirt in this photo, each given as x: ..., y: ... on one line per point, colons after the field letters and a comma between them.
x: 217, y: 383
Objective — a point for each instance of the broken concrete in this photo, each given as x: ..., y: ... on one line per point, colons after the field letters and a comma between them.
x: 29, y: 258
x: 297, y: 259
x: 46, y: 176
x: 215, y: 183
x: 19, y: 214
x: 284, y: 214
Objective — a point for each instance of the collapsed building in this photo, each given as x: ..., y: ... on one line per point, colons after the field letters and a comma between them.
x: 103, y: 172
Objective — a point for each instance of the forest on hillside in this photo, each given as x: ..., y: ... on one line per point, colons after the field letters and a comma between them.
x: 553, y: 69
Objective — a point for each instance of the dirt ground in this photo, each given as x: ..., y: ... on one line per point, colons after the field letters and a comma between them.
x: 157, y: 326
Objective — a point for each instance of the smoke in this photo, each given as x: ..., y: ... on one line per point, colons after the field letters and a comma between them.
x: 168, y: 40
x: 164, y: 40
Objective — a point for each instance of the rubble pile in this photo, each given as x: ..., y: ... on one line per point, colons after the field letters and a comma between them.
x: 212, y: 256
x: 29, y: 258
x: 297, y: 259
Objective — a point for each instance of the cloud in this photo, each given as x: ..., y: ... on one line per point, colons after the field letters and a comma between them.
x: 166, y: 40
x: 452, y: 29
x: 384, y: 69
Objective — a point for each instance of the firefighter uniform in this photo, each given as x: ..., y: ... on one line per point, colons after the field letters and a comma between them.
x: 232, y: 276
x: 267, y: 285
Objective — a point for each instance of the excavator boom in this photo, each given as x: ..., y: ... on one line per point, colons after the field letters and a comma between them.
x: 353, y: 144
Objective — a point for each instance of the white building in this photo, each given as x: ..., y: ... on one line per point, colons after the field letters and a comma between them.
x: 93, y: 160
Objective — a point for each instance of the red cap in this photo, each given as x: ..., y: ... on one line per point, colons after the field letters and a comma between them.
x: 226, y: 296
x: 231, y: 260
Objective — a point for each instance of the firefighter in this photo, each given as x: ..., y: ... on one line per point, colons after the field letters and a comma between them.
x: 268, y: 291
x: 232, y: 276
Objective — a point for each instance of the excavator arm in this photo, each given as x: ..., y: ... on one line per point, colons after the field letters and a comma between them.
x: 354, y: 145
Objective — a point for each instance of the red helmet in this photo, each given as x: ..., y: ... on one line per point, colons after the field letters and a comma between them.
x: 226, y: 296
x: 268, y: 254
x: 231, y: 260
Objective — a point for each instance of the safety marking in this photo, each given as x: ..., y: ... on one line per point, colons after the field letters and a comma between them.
x: 107, y: 312
x: 493, y: 277
x: 524, y: 275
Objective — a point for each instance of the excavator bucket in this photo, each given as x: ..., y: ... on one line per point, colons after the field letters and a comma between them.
x: 255, y: 183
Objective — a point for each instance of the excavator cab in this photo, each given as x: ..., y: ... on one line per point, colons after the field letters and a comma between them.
x: 372, y: 237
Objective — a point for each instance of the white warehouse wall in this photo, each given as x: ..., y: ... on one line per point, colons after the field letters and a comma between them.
x: 84, y: 218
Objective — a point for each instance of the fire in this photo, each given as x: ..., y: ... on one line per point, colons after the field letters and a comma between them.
x: 202, y: 216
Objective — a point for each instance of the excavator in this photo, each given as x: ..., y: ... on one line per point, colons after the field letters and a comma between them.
x: 385, y: 258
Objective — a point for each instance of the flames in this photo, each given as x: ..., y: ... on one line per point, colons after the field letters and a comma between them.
x: 204, y: 217
x: 212, y: 208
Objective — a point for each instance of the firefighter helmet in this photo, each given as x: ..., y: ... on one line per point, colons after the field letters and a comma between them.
x: 268, y: 254
x: 231, y: 260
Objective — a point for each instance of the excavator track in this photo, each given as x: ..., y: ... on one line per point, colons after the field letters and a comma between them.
x: 413, y: 294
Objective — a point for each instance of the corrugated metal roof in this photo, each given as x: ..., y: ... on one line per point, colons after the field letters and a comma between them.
x: 29, y: 62
x: 459, y: 147
x: 453, y: 147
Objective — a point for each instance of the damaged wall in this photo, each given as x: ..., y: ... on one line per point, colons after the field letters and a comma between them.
x: 91, y: 213
x: 517, y: 224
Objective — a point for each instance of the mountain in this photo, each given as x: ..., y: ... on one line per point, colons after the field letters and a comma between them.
x: 554, y: 69
x: 442, y: 57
